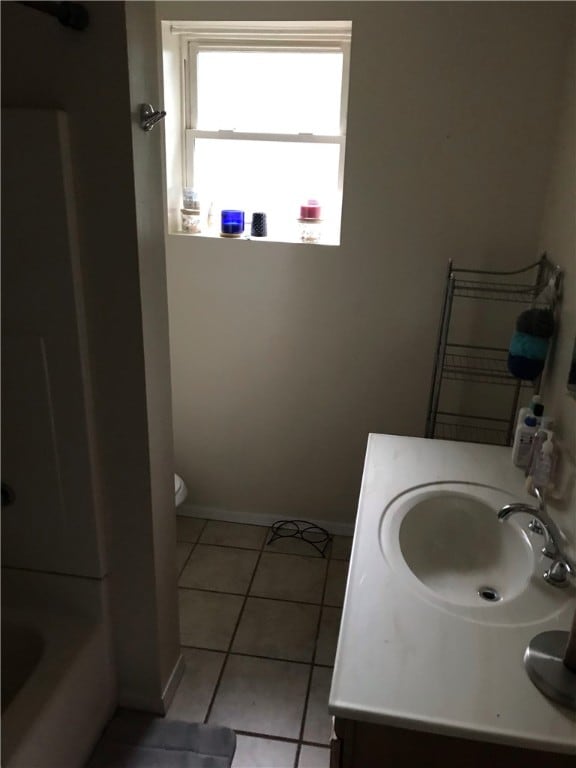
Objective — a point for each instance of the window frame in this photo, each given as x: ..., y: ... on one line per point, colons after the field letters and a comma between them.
x: 288, y: 36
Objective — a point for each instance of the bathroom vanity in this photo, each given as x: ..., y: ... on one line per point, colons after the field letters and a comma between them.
x: 441, y: 602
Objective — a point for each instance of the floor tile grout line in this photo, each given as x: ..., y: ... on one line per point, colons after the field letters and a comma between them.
x: 186, y: 561
x: 311, y: 673
x: 258, y: 597
x: 234, y: 633
x: 193, y: 544
x: 308, y: 743
x: 225, y: 546
x: 257, y: 549
x: 283, y: 739
x: 231, y: 571
x: 255, y: 656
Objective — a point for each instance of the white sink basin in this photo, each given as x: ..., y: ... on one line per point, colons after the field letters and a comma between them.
x: 455, y: 545
x: 447, y: 544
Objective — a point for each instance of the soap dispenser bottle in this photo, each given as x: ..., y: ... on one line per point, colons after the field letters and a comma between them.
x: 541, y: 473
x: 543, y: 431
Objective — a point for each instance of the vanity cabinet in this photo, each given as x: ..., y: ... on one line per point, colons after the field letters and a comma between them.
x: 359, y: 744
x: 420, y: 649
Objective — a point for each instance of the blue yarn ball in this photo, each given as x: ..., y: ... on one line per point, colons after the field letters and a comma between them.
x: 527, y: 345
x: 525, y: 368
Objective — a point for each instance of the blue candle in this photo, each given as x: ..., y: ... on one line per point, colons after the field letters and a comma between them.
x: 232, y: 222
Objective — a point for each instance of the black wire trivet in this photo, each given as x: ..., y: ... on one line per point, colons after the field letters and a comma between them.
x: 318, y: 537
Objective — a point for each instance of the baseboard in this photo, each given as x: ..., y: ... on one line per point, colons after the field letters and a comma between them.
x: 156, y: 705
x: 173, y: 682
x: 257, y: 518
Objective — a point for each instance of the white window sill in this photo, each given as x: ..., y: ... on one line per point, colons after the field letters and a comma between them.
x: 290, y: 239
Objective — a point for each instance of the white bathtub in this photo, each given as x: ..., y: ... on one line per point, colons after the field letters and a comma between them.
x: 22, y: 649
x: 57, y: 682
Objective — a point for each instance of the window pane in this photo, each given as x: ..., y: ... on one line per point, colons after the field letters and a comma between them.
x: 269, y: 91
x: 274, y: 177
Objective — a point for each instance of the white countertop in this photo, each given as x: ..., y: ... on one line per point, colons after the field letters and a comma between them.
x: 401, y: 660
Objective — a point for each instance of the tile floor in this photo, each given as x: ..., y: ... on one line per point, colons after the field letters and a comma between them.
x: 258, y: 628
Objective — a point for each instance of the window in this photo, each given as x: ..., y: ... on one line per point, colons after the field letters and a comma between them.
x: 265, y: 119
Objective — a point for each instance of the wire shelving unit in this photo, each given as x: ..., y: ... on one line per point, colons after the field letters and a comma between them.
x: 537, y: 285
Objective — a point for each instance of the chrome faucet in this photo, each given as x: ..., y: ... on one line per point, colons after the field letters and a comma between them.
x: 562, y: 567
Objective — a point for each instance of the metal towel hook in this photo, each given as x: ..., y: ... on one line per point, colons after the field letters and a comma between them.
x: 149, y: 116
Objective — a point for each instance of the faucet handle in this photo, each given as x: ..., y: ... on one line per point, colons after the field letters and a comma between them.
x: 557, y: 574
x: 536, y: 527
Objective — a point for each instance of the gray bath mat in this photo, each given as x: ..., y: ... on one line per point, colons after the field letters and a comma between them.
x: 137, y: 740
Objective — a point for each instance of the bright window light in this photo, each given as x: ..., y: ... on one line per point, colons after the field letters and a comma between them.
x: 269, y: 91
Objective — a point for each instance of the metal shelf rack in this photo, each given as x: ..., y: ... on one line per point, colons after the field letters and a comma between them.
x: 537, y: 285
x: 471, y: 429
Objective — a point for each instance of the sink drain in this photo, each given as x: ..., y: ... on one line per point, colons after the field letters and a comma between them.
x: 490, y: 594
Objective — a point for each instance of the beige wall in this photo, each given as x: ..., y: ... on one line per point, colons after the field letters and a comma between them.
x: 86, y: 75
x: 558, y: 237
x: 285, y: 357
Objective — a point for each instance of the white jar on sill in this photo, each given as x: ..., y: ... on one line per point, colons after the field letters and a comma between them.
x: 310, y: 230
x: 310, y: 221
x: 191, y: 220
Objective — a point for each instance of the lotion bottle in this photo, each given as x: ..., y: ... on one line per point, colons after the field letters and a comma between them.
x: 523, y: 441
x: 528, y: 411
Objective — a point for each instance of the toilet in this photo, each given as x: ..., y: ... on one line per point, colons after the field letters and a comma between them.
x: 180, y: 490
